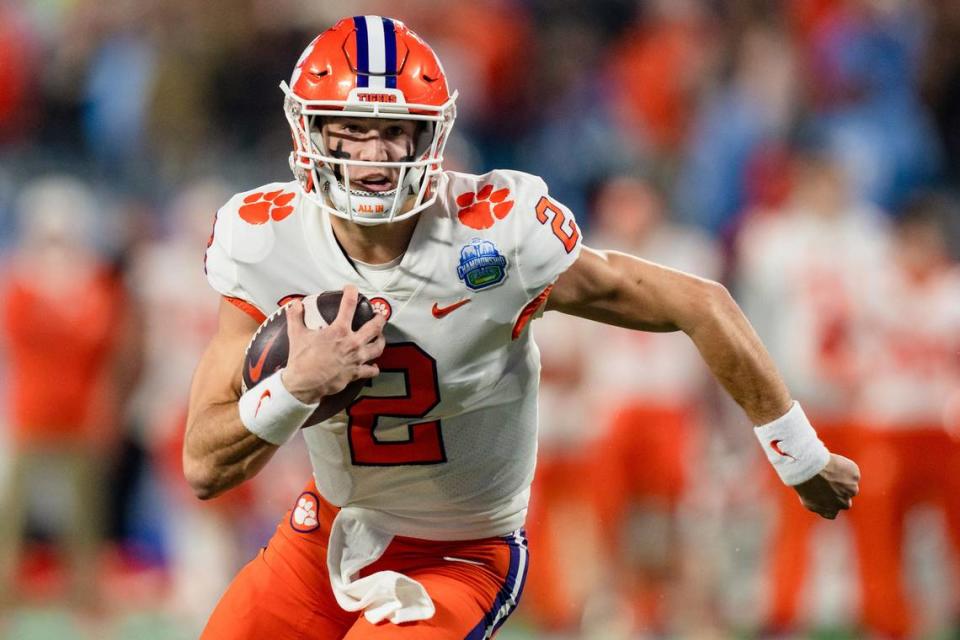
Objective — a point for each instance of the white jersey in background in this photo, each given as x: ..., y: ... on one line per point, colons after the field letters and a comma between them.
x: 909, y: 338
x: 565, y: 389
x: 798, y: 278
x: 180, y: 313
x: 442, y: 444
x: 663, y: 369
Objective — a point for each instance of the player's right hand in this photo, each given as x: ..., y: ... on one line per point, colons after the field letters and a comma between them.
x: 833, y: 489
x: 322, y: 362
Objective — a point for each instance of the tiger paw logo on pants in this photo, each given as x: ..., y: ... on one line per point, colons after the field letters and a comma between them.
x: 303, y: 518
x: 481, y: 209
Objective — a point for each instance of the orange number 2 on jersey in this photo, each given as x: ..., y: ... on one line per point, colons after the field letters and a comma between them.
x: 568, y: 238
x: 424, y: 444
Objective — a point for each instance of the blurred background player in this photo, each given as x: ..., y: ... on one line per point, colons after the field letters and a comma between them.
x: 559, y: 522
x: 71, y: 360
x: 909, y: 371
x: 800, y: 267
x: 179, y: 314
x: 647, y: 398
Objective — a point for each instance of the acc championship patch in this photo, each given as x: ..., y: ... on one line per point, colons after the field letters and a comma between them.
x: 303, y: 516
x: 481, y: 265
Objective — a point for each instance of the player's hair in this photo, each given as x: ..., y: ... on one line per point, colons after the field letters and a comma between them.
x: 932, y: 209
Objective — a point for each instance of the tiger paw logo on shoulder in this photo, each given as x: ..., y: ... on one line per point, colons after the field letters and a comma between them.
x: 481, y: 265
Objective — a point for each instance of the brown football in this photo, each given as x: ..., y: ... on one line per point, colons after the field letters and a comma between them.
x: 269, y: 348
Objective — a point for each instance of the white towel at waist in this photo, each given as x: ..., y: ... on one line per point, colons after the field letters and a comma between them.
x: 384, y: 595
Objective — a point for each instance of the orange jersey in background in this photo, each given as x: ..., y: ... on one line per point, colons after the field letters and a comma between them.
x: 58, y: 347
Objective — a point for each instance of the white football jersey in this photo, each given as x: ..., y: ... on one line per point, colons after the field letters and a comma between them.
x: 179, y: 320
x: 909, y: 335
x: 442, y: 444
x: 797, y: 282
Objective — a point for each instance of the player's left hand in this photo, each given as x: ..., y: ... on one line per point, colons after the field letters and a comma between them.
x: 833, y: 489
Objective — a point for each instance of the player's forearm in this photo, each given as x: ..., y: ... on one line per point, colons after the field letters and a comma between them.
x: 737, y: 357
x: 652, y: 297
x: 625, y: 291
x: 219, y: 452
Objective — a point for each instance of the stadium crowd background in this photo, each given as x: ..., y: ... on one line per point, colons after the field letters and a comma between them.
x: 804, y: 152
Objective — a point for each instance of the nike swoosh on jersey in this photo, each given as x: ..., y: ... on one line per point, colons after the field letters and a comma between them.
x: 256, y: 369
x: 439, y: 312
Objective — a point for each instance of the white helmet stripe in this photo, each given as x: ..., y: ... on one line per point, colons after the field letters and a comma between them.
x: 377, y: 52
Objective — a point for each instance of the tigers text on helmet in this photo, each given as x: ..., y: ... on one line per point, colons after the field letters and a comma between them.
x: 368, y: 67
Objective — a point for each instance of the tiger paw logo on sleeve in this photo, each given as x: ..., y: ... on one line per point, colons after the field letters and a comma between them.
x: 481, y: 209
x: 259, y: 208
x: 251, y: 236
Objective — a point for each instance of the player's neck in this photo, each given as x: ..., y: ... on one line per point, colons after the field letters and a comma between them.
x: 374, y: 244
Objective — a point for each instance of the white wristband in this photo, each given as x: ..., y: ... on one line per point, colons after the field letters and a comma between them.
x: 271, y: 412
x: 792, y: 446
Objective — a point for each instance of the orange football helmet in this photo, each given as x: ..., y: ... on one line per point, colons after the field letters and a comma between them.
x: 368, y: 67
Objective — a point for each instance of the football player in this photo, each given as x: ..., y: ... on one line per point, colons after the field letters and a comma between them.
x: 908, y: 326
x: 654, y: 412
x: 69, y: 370
x: 800, y: 268
x: 412, y: 525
